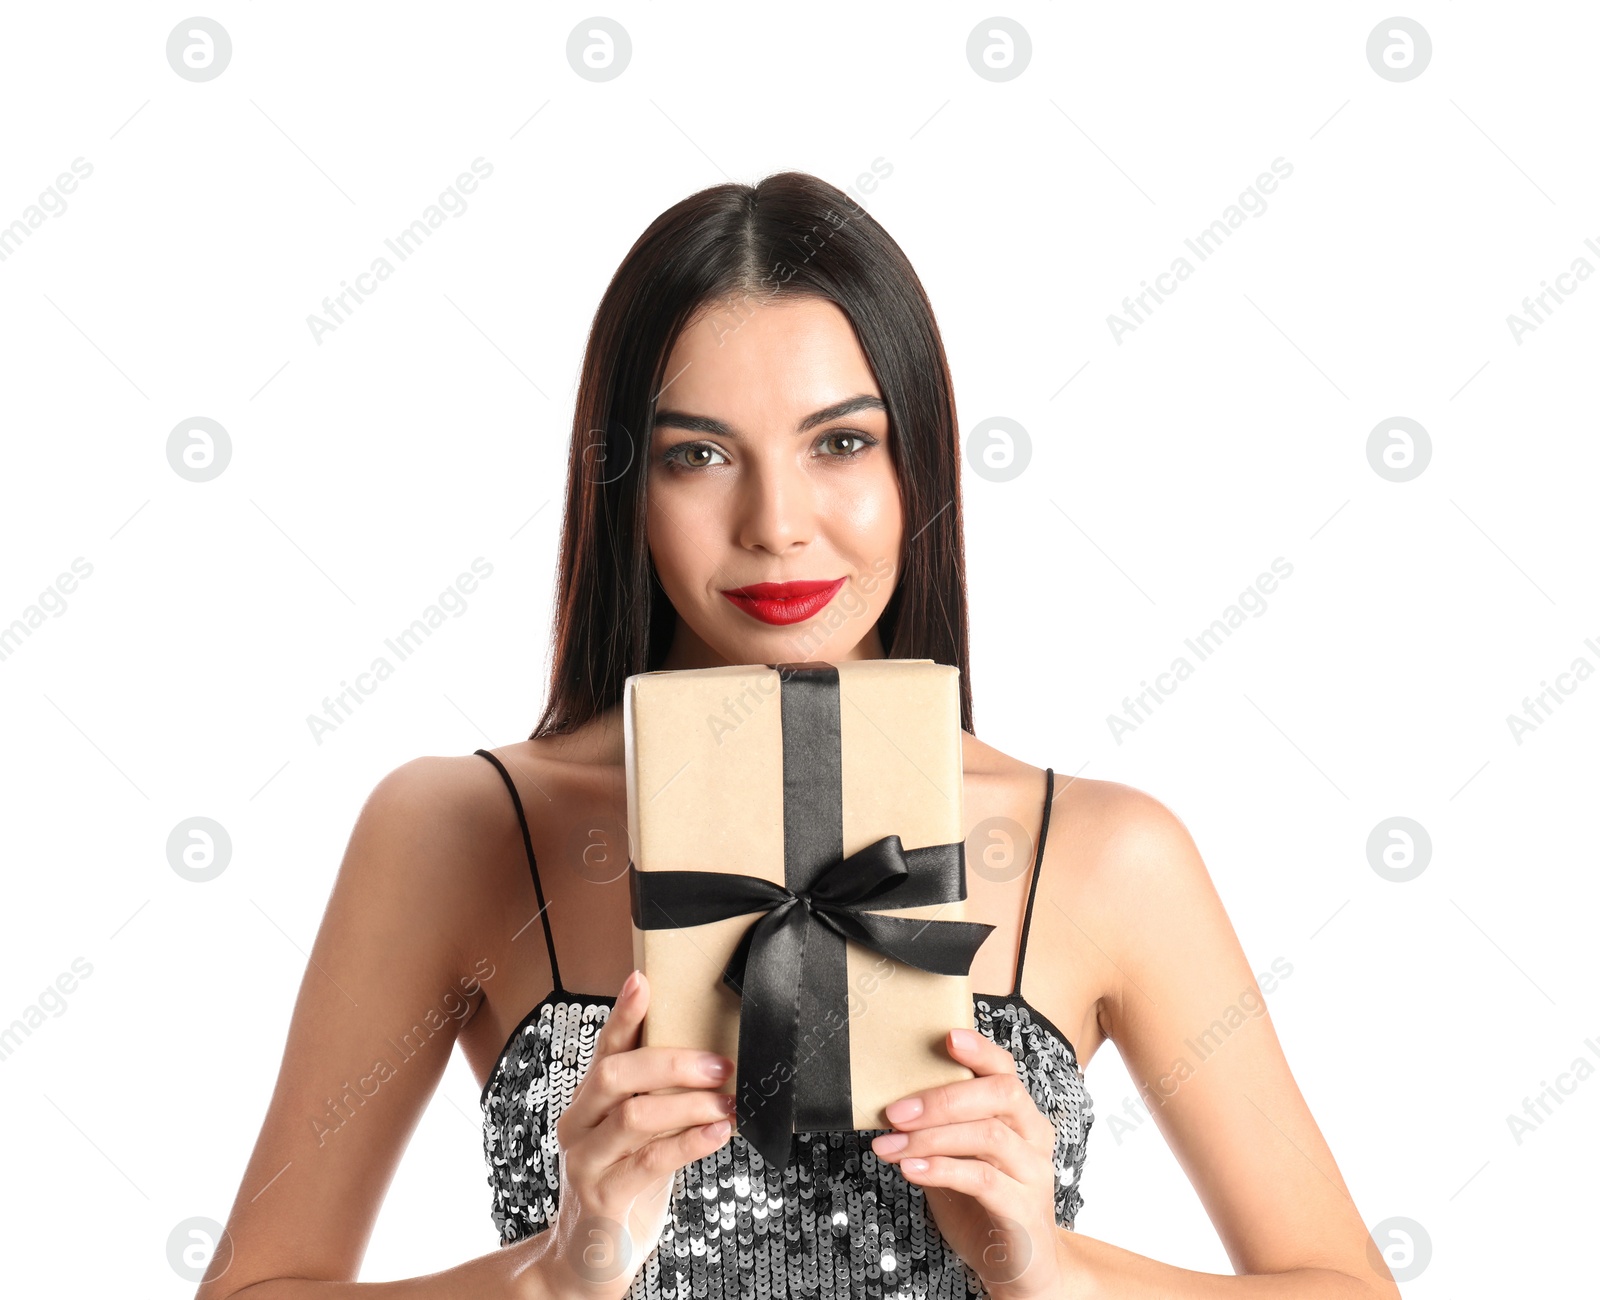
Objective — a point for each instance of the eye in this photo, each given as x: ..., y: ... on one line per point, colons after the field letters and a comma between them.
x: 866, y: 440
x: 679, y: 457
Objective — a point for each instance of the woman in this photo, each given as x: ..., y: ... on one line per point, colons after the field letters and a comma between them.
x: 765, y: 400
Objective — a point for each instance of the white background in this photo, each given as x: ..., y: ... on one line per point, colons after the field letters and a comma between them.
x: 1167, y: 471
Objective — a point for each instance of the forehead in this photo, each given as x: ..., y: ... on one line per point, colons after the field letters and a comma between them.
x: 752, y: 362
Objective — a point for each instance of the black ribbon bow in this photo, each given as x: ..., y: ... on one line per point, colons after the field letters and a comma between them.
x: 789, y: 967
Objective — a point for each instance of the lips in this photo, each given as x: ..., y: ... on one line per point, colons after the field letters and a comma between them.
x: 784, y: 602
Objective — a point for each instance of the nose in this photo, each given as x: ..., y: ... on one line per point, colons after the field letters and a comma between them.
x: 777, y: 512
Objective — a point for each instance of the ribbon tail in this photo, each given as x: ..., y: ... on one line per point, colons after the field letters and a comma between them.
x: 942, y: 947
x: 769, y: 1032
x: 739, y: 961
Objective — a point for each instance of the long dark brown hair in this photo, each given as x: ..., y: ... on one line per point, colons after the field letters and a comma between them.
x: 790, y: 235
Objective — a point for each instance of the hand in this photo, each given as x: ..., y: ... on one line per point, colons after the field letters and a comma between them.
x: 622, y: 1140
x: 985, y: 1155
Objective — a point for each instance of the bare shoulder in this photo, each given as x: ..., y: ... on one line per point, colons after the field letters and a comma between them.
x: 1130, y: 877
x: 1107, y: 844
x: 424, y: 845
x: 470, y: 795
x: 462, y: 811
x: 1087, y: 899
x: 440, y: 790
x: 1128, y: 840
x: 1119, y: 873
x: 437, y: 803
x: 441, y: 837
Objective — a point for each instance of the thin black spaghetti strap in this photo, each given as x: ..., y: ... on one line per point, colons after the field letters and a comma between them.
x: 533, y: 867
x: 1033, y: 885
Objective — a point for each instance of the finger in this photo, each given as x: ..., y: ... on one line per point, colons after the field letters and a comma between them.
x: 978, y: 1179
x: 991, y: 1060
x: 636, y: 1173
x: 979, y: 1053
x: 969, y: 1099
x: 621, y: 1068
x: 636, y: 1121
x: 620, y: 1033
x: 986, y: 1139
x: 647, y: 1069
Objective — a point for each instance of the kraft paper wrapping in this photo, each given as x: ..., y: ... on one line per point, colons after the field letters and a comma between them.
x: 704, y: 763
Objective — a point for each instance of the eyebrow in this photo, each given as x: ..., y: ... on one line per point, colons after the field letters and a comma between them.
x: 706, y: 424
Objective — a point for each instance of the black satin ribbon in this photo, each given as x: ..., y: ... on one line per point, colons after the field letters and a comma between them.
x: 789, y: 967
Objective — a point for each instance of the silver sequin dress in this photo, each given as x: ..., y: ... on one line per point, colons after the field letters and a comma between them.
x: 834, y: 1222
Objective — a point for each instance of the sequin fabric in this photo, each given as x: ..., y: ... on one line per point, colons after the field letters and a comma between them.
x: 836, y: 1222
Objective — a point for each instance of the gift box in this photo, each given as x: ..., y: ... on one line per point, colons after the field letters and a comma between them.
x: 798, y: 882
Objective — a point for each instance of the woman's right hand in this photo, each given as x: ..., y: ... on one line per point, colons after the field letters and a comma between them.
x: 621, y: 1142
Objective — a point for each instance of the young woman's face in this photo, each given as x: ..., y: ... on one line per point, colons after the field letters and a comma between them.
x: 770, y: 463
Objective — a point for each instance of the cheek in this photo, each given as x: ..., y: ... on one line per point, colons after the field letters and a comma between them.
x: 670, y: 534
x: 874, y: 514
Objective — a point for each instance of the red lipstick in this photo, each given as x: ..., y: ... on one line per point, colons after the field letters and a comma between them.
x: 784, y: 602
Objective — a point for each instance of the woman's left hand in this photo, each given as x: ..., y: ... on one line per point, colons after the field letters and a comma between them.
x: 985, y: 1155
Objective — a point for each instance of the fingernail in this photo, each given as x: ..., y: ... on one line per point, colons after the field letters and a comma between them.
x: 889, y: 1143
x: 906, y: 1108
x: 715, y: 1067
x: 914, y: 1166
x: 630, y: 984
x: 963, y: 1039
x: 718, y: 1130
x: 728, y: 1103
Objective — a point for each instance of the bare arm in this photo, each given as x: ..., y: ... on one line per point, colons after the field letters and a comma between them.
x: 1234, y: 1117
x: 392, y: 978
x: 1106, y: 1272
x: 488, y: 1275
